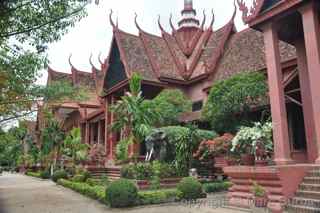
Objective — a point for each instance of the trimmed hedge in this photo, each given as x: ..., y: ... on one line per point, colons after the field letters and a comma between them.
x: 60, y: 174
x: 216, y: 187
x: 45, y: 174
x: 122, y: 193
x: 158, y: 196
x: 94, y: 192
x: 97, y: 192
x: 190, y: 188
x: 34, y: 174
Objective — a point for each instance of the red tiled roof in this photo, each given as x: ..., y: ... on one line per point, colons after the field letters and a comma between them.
x: 245, y: 52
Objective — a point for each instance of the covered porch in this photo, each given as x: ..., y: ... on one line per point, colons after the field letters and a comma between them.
x: 295, y: 109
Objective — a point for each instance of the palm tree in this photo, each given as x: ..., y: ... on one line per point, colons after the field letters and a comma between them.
x: 52, y: 138
x: 74, y: 148
x: 132, y: 114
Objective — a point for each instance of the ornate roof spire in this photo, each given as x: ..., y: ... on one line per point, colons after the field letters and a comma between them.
x: 188, y: 15
x: 188, y: 4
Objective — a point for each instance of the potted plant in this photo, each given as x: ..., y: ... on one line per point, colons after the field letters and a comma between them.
x: 260, y: 195
x: 217, y: 149
x: 253, y: 143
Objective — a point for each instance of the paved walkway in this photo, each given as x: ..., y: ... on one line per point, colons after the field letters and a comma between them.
x: 22, y: 194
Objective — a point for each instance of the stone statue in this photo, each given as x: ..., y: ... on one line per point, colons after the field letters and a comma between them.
x: 156, y: 145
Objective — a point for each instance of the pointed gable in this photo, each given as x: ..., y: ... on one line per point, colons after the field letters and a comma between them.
x: 116, y: 71
x: 245, y: 52
x: 160, y: 56
x: 136, y: 56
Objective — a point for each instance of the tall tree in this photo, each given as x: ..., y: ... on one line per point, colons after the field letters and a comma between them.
x: 132, y: 114
x: 26, y: 28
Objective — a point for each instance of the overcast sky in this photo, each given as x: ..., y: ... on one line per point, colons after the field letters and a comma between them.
x: 93, y: 34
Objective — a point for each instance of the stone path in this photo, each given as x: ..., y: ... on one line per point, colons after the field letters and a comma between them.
x: 22, y: 194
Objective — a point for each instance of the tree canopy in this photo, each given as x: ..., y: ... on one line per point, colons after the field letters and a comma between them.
x: 26, y: 28
x: 230, y: 100
x: 170, y: 104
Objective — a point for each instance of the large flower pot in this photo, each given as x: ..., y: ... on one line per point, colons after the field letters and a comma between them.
x: 220, y: 162
x: 231, y: 162
x: 247, y: 159
x: 261, y: 162
x: 260, y: 202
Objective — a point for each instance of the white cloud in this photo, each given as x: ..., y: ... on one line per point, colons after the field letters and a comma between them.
x: 93, y: 34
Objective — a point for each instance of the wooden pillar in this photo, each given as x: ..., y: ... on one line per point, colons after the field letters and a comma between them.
x: 106, y: 135
x: 111, y: 139
x: 310, y: 20
x: 282, y: 152
x: 306, y: 100
x: 87, y: 140
x: 91, y: 133
x: 99, y: 132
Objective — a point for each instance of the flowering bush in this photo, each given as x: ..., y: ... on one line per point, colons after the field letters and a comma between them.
x: 211, y: 148
x: 251, y: 139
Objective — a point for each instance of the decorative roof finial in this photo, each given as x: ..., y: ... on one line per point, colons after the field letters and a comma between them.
x: 188, y: 4
x: 188, y: 16
x: 111, y: 20
x: 235, y: 11
x: 212, y: 20
x: 171, y: 24
x: 136, y: 22
x: 99, y: 58
x: 69, y: 60
x: 204, y: 19
x: 159, y: 24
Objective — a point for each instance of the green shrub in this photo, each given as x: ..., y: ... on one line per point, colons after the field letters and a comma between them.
x: 145, y: 171
x: 216, y: 187
x: 230, y: 100
x: 128, y: 172
x: 94, y: 192
x: 190, y: 188
x: 34, y: 174
x: 45, y: 174
x: 79, y: 178
x: 158, y: 196
x: 155, y: 183
x: 60, y: 174
x: 122, y: 193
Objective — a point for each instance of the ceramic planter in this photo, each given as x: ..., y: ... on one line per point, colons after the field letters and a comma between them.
x: 261, y: 162
x: 247, y: 159
x: 220, y: 161
x: 260, y: 202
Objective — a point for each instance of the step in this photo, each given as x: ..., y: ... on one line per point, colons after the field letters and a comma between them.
x: 248, y: 188
x: 309, y: 187
x: 312, y: 180
x: 308, y: 194
x: 265, y: 183
x: 301, y: 201
x: 304, y: 209
x: 242, y: 195
x: 313, y: 173
x: 276, y: 198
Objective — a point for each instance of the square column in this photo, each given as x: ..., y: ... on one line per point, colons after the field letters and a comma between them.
x: 87, y: 139
x: 111, y: 135
x: 91, y: 133
x: 106, y: 135
x: 99, y: 132
x: 304, y: 80
x: 310, y: 20
x: 282, y: 150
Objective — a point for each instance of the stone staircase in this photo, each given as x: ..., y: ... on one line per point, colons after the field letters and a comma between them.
x: 113, y: 173
x: 307, y: 198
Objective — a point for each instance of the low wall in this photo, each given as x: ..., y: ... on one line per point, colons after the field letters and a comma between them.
x: 281, y: 182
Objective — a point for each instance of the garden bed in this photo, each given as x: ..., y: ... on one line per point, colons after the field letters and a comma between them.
x: 97, y: 192
x: 164, y: 183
